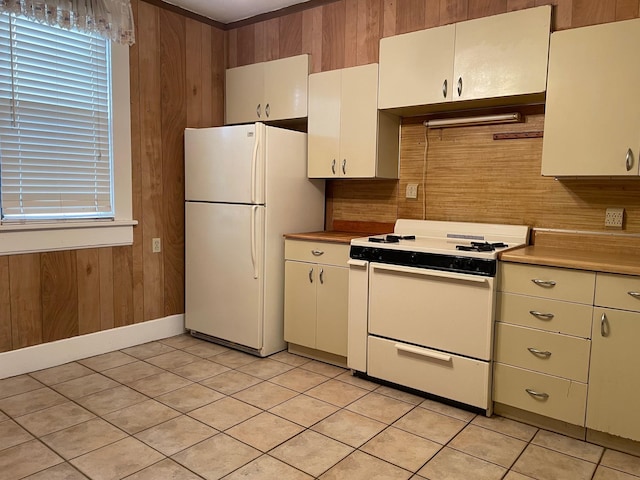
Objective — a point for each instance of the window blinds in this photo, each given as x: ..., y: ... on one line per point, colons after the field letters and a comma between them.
x: 55, y: 131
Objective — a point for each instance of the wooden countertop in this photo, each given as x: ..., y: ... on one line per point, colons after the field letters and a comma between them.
x: 571, y: 258
x: 332, y: 236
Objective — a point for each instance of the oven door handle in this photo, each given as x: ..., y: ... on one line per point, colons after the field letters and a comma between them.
x: 423, y: 352
x: 431, y: 273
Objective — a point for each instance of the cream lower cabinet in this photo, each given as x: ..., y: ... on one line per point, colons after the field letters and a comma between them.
x: 499, y: 56
x: 542, y: 340
x: 347, y: 136
x: 267, y: 91
x: 614, y: 376
x: 316, y: 295
x: 592, y: 119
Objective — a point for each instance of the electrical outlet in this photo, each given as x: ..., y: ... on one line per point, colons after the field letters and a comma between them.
x: 412, y: 190
x: 156, y: 245
x: 614, y: 217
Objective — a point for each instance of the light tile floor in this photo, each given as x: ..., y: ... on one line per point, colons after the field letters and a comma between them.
x: 182, y: 408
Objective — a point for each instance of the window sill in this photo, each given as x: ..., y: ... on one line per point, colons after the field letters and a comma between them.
x: 43, y: 237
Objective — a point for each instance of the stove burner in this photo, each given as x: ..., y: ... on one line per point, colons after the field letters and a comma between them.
x: 481, y: 246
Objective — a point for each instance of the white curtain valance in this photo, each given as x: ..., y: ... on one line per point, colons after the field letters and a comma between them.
x: 112, y: 19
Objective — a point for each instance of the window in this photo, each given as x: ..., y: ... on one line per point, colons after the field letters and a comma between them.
x: 64, y: 150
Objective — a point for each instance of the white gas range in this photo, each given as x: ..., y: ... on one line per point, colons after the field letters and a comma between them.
x: 421, y: 306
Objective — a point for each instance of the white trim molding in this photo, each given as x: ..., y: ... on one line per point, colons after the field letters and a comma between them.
x: 46, y: 355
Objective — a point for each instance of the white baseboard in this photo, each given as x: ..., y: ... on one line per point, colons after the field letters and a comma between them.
x: 45, y: 355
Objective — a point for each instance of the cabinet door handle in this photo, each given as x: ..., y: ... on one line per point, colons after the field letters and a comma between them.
x: 604, y: 325
x: 459, y: 86
x: 317, y: 253
x: 267, y: 109
x: 444, y: 88
x: 629, y: 160
x: 540, y: 315
x: 344, y: 166
x: 634, y: 294
x: 258, y: 111
x: 322, y: 276
x: 333, y: 166
x: 533, y: 393
x: 539, y: 353
x: 311, y: 275
x: 544, y: 283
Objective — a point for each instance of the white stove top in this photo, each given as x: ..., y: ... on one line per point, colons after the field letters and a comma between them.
x: 443, y: 237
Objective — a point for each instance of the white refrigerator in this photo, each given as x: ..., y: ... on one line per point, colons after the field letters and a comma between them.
x: 245, y: 186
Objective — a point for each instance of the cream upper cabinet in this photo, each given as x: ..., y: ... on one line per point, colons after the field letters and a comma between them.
x: 486, y: 58
x: 503, y: 55
x: 416, y: 68
x: 592, y: 120
x: 267, y: 91
x: 347, y: 136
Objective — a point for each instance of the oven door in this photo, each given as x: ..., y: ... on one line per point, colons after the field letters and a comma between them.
x: 445, y: 311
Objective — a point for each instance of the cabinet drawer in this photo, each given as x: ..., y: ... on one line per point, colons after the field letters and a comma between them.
x: 618, y: 291
x: 545, y: 314
x: 549, y: 282
x: 317, y: 252
x: 544, y: 352
x: 450, y: 376
x: 565, y: 400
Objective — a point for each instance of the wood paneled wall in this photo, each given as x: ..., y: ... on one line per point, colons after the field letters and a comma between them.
x: 177, y: 81
x: 346, y: 33
x: 467, y: 176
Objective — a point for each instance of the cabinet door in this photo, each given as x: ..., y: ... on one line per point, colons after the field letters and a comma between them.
x: 244, y: 91
x: 359, y: 121
x: 300, y: 303
x: 332, y: 309
x: 285, y: 88
x: 415, y: 66
x: 502, y: 55
x: 323, y: 139
x: 614, y: 389
x: 592, y: 121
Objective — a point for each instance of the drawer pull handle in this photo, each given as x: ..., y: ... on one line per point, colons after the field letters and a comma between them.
x: 423, y: 352
x: 540, y: 315
x: 635, y: 294
x: 540, y: 353
x: 544, y: 283
x: 604, y: 325
x: 317, y: 253
x: 533, y: 393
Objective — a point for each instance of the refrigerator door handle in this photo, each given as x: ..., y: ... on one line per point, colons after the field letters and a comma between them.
x: 254, y: 165
x: 254, y: 211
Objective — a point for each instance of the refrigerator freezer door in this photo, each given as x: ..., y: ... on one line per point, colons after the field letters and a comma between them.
x: 225, y: 164
x: 224, y: 279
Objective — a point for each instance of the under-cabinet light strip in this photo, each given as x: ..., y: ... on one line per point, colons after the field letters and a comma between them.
x: 466, y: 121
